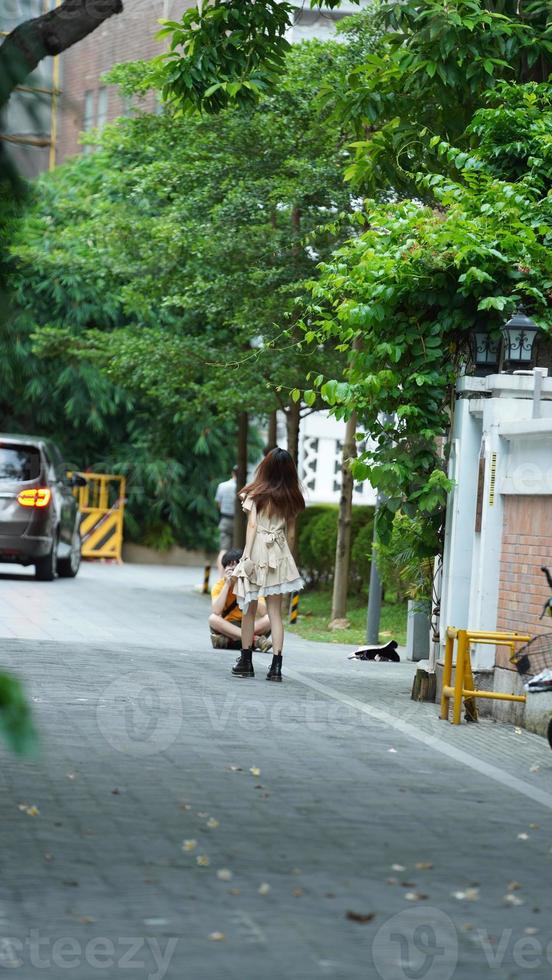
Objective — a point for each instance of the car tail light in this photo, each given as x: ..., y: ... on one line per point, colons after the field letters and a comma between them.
x: 38, y: 497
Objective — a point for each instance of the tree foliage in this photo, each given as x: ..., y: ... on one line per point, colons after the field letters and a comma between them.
x: 419, y: 278
x: 163, y: 273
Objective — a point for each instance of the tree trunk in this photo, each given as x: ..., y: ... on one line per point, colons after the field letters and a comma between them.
x: 293, y: 421
x: 272, y: 437
x: 47, y: 35
x: 343, y: 548
x: 240, y: 519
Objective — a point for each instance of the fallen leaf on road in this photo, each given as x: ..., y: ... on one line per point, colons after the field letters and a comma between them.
x: 234, y: 891
x: 212, y: 823
x: 408, y: 884
x: 189, y: 845
x: 86, y: 920
x: 217, y: 937
x: 184, y: 806
x: 513, y: 886
x: 255, y: 771
x: 224, y: 874
x: 297, y: 892
x: 32, y: 810
x: 398, y: 867
x: 469, y: 895
x: 511, y: 899
x: 264, y: 888
x: 424, y: 865
x: 534, y: 826
x: 358, y: 916
x: 202, y: 860
x: 415, y: 897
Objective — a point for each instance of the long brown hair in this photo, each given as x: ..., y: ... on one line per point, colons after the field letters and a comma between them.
x: 275, y: 486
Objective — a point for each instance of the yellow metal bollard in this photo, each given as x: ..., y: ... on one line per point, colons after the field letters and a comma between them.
x: 447, y: 673
x: 294, y: 608
x: 206, y: 575
x: 459, y: 677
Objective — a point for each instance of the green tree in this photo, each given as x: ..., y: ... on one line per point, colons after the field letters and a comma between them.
x: 419, y: 278
x: 159, y: 277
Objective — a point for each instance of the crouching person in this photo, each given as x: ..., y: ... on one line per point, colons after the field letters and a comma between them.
x: 226, y: 616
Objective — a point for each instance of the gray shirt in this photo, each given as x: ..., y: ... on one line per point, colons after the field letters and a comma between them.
x: 226, y: 497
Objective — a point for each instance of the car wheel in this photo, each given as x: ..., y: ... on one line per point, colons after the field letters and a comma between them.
x: 68, y: 567
x: 45, y: 568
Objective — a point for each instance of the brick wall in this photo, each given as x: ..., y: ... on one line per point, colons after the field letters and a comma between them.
x: 128, y: 36
x: 526, y: 545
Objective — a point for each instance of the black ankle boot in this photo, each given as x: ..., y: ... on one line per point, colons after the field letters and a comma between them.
x: 275, y: 669
x: 244, y: 666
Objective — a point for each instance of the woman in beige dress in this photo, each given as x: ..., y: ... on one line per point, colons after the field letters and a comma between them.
x: 267, y: 568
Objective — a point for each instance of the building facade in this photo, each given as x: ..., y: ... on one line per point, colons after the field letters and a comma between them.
x: 499, y: 520
x: 29, y: 120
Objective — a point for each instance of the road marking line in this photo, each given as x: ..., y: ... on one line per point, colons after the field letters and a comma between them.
x: 484, y: 768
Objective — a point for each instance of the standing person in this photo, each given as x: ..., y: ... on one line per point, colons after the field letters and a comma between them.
x: 225, y: 498
x: 272, y: 500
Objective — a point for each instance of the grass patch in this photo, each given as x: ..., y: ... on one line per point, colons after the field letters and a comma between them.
x: 314, y: 615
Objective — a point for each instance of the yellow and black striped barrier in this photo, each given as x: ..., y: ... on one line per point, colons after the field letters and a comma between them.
x: 294, y: 608
x: 102, y: 505
x: 206, y: 576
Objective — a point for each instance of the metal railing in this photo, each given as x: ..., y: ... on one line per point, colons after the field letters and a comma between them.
x: 464, y: 689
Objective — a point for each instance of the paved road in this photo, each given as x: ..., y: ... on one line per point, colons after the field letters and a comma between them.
x: 374, y: 841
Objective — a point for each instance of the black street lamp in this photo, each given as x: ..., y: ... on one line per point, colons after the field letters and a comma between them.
x: 519, y: 337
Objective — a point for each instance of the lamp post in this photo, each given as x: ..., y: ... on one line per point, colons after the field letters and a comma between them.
x: 485, y: 350
x: 518, y: 336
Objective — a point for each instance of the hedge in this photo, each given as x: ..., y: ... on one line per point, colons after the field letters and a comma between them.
x: 316, y: 543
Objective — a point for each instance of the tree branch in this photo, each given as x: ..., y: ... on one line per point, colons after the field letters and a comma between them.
x: 48, y: 35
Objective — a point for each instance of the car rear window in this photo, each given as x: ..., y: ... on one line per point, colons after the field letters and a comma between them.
x: 19, y: 463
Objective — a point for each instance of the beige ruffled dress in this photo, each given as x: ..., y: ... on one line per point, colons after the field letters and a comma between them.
x: 270, y: 568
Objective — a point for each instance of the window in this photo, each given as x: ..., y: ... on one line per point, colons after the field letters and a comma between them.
x: 19, y: 463
x: 88, y: 121
x: 102, y: 108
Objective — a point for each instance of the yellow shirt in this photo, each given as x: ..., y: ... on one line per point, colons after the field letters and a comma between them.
x: 235, y: 615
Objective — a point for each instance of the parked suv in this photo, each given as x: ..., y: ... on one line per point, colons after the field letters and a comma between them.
x: 39, y: 516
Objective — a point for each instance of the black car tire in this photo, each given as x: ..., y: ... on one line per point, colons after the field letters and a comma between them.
x: 68, y: 567
x: 45, y: 568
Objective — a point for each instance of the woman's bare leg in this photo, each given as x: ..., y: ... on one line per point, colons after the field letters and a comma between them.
x: 248, y: 624
x: 274, y: 606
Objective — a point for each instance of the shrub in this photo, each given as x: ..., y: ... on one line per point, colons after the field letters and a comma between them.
x: 317, y: 539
